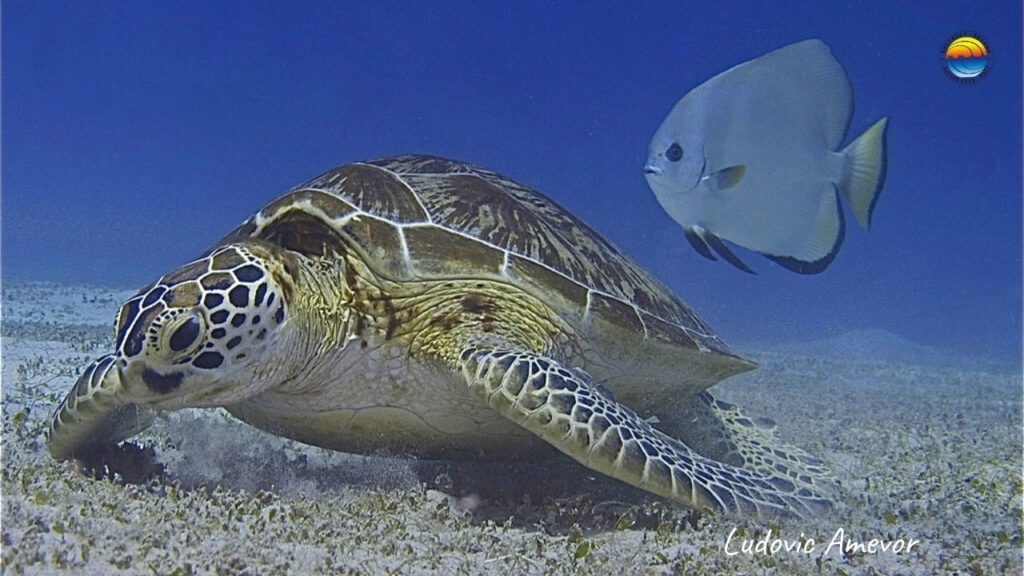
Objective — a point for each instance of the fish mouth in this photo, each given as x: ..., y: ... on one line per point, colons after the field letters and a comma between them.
x: 652, y: 169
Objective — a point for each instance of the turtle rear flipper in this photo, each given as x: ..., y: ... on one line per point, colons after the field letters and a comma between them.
x: 564, y: 408
x: 94, y: 416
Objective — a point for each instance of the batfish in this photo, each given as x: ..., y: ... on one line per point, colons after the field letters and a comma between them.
x: 752, y: 157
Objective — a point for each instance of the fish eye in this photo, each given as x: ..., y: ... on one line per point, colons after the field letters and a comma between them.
x: 674, y: 152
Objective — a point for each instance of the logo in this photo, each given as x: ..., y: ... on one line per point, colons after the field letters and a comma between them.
x: 967, y: 58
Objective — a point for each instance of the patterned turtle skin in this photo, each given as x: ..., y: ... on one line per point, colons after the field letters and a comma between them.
x: 425, y: 306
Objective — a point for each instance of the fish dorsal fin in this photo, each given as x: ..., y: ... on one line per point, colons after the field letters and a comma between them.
x: 810, y: 67
x: 805, y: 72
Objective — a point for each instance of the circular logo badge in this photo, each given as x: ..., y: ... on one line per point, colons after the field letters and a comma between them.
x: 967, y: 58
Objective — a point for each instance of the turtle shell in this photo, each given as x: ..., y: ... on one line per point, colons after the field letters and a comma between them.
x: 424, y: 217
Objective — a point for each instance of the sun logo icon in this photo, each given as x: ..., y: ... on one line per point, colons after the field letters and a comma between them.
x: 967, y: 58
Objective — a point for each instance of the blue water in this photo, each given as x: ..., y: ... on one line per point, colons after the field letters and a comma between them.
x: 135, y: 134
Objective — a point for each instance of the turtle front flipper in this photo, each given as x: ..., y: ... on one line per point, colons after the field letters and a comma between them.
x: 752, y: 443
x: 94, y: 414
x: 567, y: 410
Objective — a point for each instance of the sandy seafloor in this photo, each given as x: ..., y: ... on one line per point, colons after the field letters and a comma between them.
x: 926, y: 445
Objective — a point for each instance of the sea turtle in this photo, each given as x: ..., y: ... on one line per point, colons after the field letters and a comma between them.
x: 425, y: 306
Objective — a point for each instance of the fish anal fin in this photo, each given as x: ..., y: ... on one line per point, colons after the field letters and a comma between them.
x: 816, y: 266
x: 799, y: 266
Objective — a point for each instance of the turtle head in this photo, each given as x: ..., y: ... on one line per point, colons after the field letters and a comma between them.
x: 202, y: 335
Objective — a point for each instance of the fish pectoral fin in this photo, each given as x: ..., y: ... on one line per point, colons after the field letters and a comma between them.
x: 698, y: 243
x: 716, y: 243
x: 727, y: 177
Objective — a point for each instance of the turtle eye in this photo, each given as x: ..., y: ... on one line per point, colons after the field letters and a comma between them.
x: 674, y: 152
x: 186, y: 335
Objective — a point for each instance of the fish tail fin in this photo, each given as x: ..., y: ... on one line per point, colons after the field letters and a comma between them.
x: 864, y: 172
